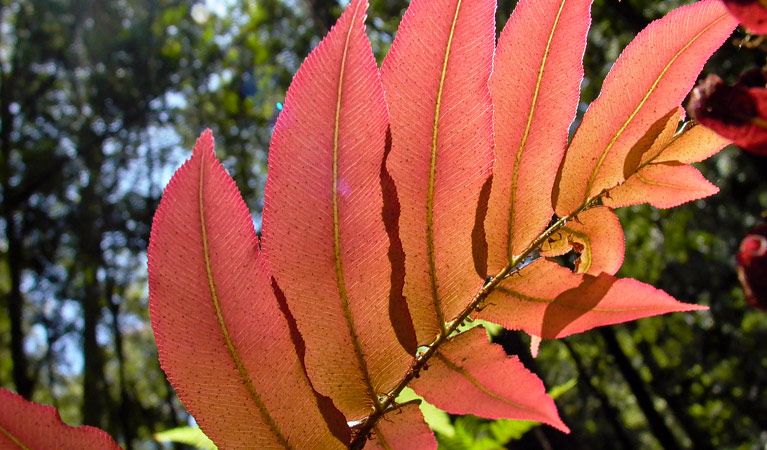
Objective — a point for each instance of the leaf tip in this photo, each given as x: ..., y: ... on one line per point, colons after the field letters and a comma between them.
x: 205, y: 143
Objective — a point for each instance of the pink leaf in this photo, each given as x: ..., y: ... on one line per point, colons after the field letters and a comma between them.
x: 323, y: 230
x: 469, y: 375
x: 402, y: 429
x: 550, y: 301
x: 25, y: 425
x: 597, y: 236
x: 222, y: 339
x: 535, y: 84
x: 651, y: 77
x: 695, y: 144
x: 435, y: 79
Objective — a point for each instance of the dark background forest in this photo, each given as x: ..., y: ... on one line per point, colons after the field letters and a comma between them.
x: 100, y: 101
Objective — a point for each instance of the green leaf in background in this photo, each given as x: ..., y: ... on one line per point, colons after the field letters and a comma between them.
x: 475, y: 433
x: 493, y: 329
x: 186, y: 435
x: 438, y: 420
x: 560, y: 389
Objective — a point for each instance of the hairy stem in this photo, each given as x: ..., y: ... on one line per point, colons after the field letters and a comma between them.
x: 419, y: 361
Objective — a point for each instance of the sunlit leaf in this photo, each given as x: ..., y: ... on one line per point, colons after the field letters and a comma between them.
x: 652, y: 76
x: 323, y: 232
x: 402, y: 429
x: 663, y: 178
x: 535, y: 87
x: 469, y: 375
x: 435, y: 79
x: 551, y: 301
x: 186, y: 435
x: 597, y: 236
x: 222, y: 336
x: 25, y: 425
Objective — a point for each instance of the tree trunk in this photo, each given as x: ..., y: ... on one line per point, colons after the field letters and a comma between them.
x: 644, y: 399
x: 612, y: 415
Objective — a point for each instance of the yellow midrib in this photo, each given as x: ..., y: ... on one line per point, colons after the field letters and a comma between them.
x: 13, y: 439
x: 554, y: 301
x: 518, y: 159
x: 342, y: 291
x: 465, y: 373
x: 220, y: 316
x: 432, y: 175
x: 625, y: 125
x: 657, y: 183
x: 380, y: 438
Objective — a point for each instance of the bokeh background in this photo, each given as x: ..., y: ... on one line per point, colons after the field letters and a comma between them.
x: 100, y: 101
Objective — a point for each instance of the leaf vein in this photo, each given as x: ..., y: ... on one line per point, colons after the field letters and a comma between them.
x: 523, y: 143
x: 650, y: 91
x: 222, y: 324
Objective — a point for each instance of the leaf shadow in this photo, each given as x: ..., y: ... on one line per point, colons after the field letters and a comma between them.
x: 574, y: 303
x: 333, y: 417
x: 399, y: 314
x: 478, y: 240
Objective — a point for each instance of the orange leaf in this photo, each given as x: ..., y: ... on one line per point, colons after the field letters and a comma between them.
x: 663, y: 179
x: 223, y: 341
x: 662, y: 185
x: 402, y: 429
x: 323, y: 230
x: 550, y: 301
x: 535, y: 84
x: 597, y: 235
x: 695, y: 144
x: 653, y: 75
x: 469, y: 375
x: 654, y: 141
x: 26, y: 425
x: 435, y: 79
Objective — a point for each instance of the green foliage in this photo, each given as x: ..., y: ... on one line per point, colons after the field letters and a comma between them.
x: 186, y: 435
x: 474, y: 433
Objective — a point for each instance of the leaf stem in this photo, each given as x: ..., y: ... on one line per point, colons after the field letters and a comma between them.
x: 388, y: 403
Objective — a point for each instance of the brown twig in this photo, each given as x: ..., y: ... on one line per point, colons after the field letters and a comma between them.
x: 419, y: 361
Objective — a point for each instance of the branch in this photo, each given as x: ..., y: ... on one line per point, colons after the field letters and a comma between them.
x: 420, y: 360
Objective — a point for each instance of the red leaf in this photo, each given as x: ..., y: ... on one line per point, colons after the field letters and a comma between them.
x: 222, y: 339
x: 435, y: 79
x: 323, y: 231
x: 535, y: 85
x: 736, y: 112
x: 752, y: 14
x: 597, y: 235
x: 402, y: 429
x: 651, y: 77
x: 469, y: 375
x: 26, y: 425
x: 550, y: 301
x: 752, y: 266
